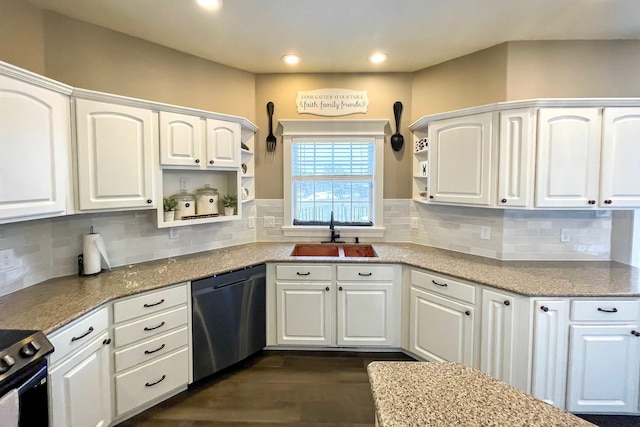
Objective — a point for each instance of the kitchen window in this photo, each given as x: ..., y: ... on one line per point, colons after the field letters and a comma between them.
x: 333, y: 166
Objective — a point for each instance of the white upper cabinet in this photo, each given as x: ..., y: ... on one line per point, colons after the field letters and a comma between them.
x: 223, y: 144
x: 568, y: 158
x: 620, y: 171
x: 516, y: 158
x: 460, y: 153
x: 116, y: 159
x: 34, y: 151
x: 181, y: 140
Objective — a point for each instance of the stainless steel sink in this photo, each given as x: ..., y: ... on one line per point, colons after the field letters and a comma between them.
x: 328, y: 250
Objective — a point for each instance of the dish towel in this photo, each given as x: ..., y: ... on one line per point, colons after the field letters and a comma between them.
x: 10, y: 409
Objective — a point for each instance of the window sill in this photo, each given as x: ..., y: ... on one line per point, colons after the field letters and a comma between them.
x: 323, y: 232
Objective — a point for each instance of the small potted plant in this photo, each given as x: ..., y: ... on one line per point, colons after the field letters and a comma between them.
x: 229, y: 201
x: 169, y: 205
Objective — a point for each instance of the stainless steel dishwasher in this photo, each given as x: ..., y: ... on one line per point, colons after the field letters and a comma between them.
x: 229, y: 320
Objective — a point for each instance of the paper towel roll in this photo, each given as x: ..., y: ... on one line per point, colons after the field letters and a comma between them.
x: 94, y: 251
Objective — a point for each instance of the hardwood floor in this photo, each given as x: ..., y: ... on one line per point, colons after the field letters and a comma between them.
x: 287, y: 388
x: 276, y: 387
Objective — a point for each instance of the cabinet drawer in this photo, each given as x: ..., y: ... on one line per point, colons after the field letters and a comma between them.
x: 143, y: 384
x: 150, y: 349
x: 303, y: 272
x: 365, y: 272
x: 605, y: 310
x: 444, y: 285
x: 149, y: 326
x: 149, y: 303
x: 76, y: 335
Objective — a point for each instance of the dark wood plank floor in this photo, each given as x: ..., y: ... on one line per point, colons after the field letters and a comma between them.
x: 288, y: 388
x: 276, y: 387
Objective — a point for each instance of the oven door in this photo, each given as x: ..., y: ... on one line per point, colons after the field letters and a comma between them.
x: 32, y: 390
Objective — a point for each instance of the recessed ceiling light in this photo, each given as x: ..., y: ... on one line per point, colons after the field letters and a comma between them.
x: 210, y: 5
x: 291, y: 59
x: 378, y: 57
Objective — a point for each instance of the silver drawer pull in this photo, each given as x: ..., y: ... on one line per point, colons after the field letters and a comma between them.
x: 303, y: 274
x: 157, y: 382
x: 364, y: 274
x: 155, y: 327
x: 154, y: 351
x: 154, y: 304
x: 604, y: 310
x: 83, y: 335
x: 444, y: 285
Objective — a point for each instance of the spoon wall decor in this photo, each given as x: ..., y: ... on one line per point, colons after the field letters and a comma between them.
x: 397, y: 140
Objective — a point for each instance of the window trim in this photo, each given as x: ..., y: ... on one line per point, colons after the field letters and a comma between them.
x: 366, y: 128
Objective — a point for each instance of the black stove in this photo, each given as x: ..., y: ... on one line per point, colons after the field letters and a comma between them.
x: 19, y: 349
x: 23, y: 377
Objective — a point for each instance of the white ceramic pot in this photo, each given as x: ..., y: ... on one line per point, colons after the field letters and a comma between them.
x: 169, y: 216
x: 228, y: 211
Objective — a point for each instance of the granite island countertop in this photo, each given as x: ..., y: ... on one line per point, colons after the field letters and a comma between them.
x: 452, y: 394
x: 51, y: 304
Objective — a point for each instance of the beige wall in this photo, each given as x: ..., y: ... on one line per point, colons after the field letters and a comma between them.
x: 383, y: 90
x: 474, y: 79
x: 91, y: 57
x: 22, y: 35
x: 559, y: 69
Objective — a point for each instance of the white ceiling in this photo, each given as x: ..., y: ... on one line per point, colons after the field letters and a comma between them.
x: 339, y: 35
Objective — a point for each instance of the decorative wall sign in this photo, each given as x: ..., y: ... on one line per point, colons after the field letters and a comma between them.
x: 332, y: 102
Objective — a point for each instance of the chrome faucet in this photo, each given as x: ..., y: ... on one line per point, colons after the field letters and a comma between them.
x: 335, y: 234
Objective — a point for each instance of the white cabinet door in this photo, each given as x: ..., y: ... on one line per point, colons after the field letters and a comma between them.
x: 497, y: 340
x: 568, y: 162
x: 80, y: 388
x: 551, y: 336
x: 34, y: 151
x: 603, y: 369
x: 516, y: 158
x: 365, y: 314
x: 440, y: 330
x: 619, y: 172
x: 303, y: 313
x: 181, y: 140
x: 115, y: 156
x: 223, y: 144
x: 460, y: 156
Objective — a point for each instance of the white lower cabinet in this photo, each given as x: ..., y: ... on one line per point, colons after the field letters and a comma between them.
x: 365, y: 314
x: 603, y: 369
x: 586, y: 354
x: 151, y: 348
x: 355, y: 306
x: 441, y: 330
x: 497, y: 339
x: 149, y: 381
x: 549, y: 379
x: 80, y: 379
x: 304, y: 313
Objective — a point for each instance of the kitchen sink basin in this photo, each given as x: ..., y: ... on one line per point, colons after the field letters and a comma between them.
x: 328, y: 250
x: 359, y: 251
x: 315, y: 250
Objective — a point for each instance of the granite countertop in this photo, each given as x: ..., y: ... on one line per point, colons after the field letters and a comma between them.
x: 56, y: 302
x: 452, y: 394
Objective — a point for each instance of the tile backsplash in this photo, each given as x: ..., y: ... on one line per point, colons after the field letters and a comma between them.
x: 49, y: 248
x: 514, y: 234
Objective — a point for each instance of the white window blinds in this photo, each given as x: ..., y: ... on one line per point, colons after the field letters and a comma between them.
x: 333, y: 176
